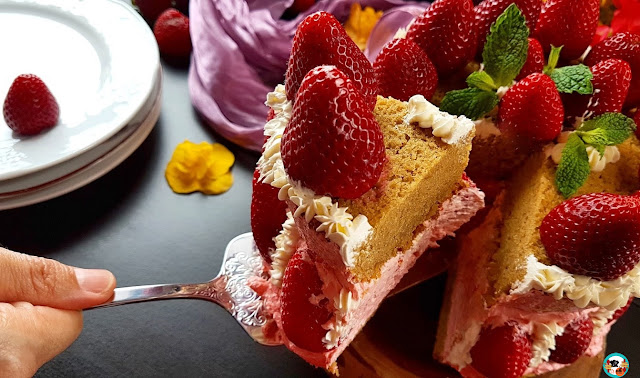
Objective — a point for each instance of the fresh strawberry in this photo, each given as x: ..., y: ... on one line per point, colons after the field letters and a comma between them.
x: 300, y: 6
x: 573, y: 342
x: 488, y: 11
x: 333, y: 144
x: 152, y: 9
x: 502, y: 352
x: 625, y: 46
x: 302, y: 319
x: 532, y: 108
x: 568, y: 23
x: 535, y: 60
x: 403, y: 70
x: 596, y: 235
x: 321, y: 40
x: 172, y: 34
x: 611, y: 79
x: 621, y: 311
x: 446, y: 32
x: 268, y: 214
x: 29, y: 107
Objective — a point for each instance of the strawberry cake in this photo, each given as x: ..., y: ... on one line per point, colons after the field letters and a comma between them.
x: 351, y: 188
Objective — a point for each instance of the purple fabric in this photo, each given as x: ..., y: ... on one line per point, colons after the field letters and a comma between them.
x: 240, y: 52
x: 388, y: 25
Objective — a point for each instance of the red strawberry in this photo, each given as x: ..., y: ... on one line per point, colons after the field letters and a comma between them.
x: 302, y: 319
x: 502, y: 352
x: 573, y: 342
x: 268, y: 214
x: 321, y: 40
x: 151, y: 9
x: 621, y: 311
x: 333, y: 144
x: 446, y: 32
x: 535, y: 60
x: 488, y: 11
x: 596, y: 235
x: 625, y: 46
x: 29, y: 107
x: 532, y: 108
x: 610, y: 81
x: 403, y: 70
x: 568, y: 23
x: 172, y: 34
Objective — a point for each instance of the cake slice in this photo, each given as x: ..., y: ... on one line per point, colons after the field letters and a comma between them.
x: 514, y: 279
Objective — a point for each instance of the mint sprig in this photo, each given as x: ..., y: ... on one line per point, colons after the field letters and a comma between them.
x: 569, y: 79
x: 470, y: 102
x: 608, y: 129
x: 481, y: 80
x: 505, y: 52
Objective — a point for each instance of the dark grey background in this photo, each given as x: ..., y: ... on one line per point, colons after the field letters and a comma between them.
x: 130, y: 222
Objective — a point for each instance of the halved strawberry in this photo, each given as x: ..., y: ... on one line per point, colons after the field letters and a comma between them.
x: 596, y: 235
x: 321, y: 40
x: 502, y: 352
x: 488, y: 11
x: 625, y: 46
x: 573, y: 342
x: 568, y: 23
x: 446, y: 32
x: 302, y: 319
x: 268, y: 214
x: 611, y: 79
x: 404, y: 70
x: 532, y: 108
x: 333, y: 144
x: 535, y: 60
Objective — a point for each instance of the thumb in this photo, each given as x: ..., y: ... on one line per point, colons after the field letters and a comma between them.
x: 32, y: 335
x: 46, y: 282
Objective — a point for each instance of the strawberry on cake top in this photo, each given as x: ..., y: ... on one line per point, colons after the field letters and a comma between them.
x: 368, y: 184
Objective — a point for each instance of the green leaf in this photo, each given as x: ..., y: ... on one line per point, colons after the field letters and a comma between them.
x: 573, y: 79
x: 471, y: 102
x: 554, y: 55
x: 505, y: 52
x: 607, y: 129
x: 600, y: 148
x: 481, y: 80
x: 574, y: 168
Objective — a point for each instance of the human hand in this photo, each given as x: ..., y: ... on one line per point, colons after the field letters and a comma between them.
x: 40, y: 301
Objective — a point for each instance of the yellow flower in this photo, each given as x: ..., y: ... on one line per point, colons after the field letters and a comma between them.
x: 201, y: 167
x: 360, y: 23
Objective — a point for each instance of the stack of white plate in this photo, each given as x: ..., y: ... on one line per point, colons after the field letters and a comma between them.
x: 100, y: 60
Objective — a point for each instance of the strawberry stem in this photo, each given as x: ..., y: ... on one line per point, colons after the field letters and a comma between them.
x: 554, y: 55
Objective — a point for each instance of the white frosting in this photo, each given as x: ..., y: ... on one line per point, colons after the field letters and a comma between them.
x: 452, y: 129
x: 286, y: 244
x: 600, y: 318
x: 485, y: 127
x: 597, y: 162
x: 582, y: 290
x: 338, y: 225
x: 344, y: 304
x: 501, y: 91
x: 544, y: 341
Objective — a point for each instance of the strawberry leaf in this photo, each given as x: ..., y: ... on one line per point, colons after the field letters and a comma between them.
x: 470, y: 102
x: 505, y: 52
x: 571, y: 79
x: 554, y: 56
x: 481, y: 80
x: 607, y: 129
x: 574, y: 168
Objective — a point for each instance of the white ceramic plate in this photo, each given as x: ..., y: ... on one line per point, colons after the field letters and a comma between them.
x: 91, y: 171
x: 99, y: 59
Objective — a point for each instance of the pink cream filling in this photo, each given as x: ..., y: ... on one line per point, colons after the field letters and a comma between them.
x: 452, y: 214
x: 468, y: 312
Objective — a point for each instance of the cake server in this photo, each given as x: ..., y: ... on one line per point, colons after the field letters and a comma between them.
x: 229, y: 289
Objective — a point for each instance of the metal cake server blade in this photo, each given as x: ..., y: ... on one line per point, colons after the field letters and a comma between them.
x: 229, y: 289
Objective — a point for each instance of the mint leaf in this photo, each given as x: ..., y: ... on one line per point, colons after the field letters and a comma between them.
x: 574, y: 168
x: 607, y: 129
x: 505, y: 52
x: 554, y: 55
x: 600, y: 148
x: 573, y: 79
x: 481, y: 80
x: 471, y: 102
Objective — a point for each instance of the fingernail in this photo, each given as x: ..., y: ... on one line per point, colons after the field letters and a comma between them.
x: 94, y: 280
